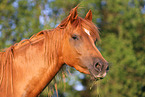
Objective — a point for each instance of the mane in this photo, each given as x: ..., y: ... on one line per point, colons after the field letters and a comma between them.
x: 51, y: 45
x: 6, y: 59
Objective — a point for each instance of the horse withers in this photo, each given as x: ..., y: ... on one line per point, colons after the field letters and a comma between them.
x: 28, y: 66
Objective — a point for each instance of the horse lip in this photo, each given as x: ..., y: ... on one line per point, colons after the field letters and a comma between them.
x: 101, y: 75
x: 98, y: 76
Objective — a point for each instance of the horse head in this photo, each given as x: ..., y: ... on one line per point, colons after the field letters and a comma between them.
x: 79, y: 50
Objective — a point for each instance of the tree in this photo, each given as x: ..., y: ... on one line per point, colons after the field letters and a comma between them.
x: 19, y: 20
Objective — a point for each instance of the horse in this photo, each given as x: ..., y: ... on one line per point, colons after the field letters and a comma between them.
x: 27, y: 67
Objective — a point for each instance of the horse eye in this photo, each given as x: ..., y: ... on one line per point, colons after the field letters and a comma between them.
x: 75, y: 37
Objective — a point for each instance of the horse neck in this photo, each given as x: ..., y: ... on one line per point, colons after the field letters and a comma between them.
x: 31, y: 72
x: 37, y: 84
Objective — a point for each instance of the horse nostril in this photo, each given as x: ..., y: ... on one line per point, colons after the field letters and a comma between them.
x: 107, y: 68
x: 98, y: 66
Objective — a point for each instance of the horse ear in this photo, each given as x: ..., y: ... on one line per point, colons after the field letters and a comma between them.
x: 73, y: 14
x: 71, y: 17
x: 89, y: 15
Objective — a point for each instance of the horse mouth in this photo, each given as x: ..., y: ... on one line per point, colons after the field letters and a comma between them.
x: 96, y: 77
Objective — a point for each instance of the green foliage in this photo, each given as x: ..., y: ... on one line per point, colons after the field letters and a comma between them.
x: 122, y: 27
x: 18, y: 20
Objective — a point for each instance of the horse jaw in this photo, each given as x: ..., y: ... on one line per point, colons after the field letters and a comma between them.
x: 81, y: 69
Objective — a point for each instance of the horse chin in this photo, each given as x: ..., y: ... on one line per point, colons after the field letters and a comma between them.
x: 95, y: 79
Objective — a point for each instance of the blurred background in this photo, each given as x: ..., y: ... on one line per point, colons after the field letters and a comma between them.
x: 122, y: 27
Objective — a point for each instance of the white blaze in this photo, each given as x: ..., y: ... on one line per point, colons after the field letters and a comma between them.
x: 87, y: 31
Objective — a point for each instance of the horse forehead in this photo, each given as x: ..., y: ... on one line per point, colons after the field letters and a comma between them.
x: 87, y: 31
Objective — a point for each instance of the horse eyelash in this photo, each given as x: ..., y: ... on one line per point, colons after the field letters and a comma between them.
x: 75, y: 37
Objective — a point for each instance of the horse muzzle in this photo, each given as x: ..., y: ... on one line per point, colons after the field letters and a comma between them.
x: 99, y: 69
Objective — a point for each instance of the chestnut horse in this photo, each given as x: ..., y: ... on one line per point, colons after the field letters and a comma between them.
x: 28, y: 66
